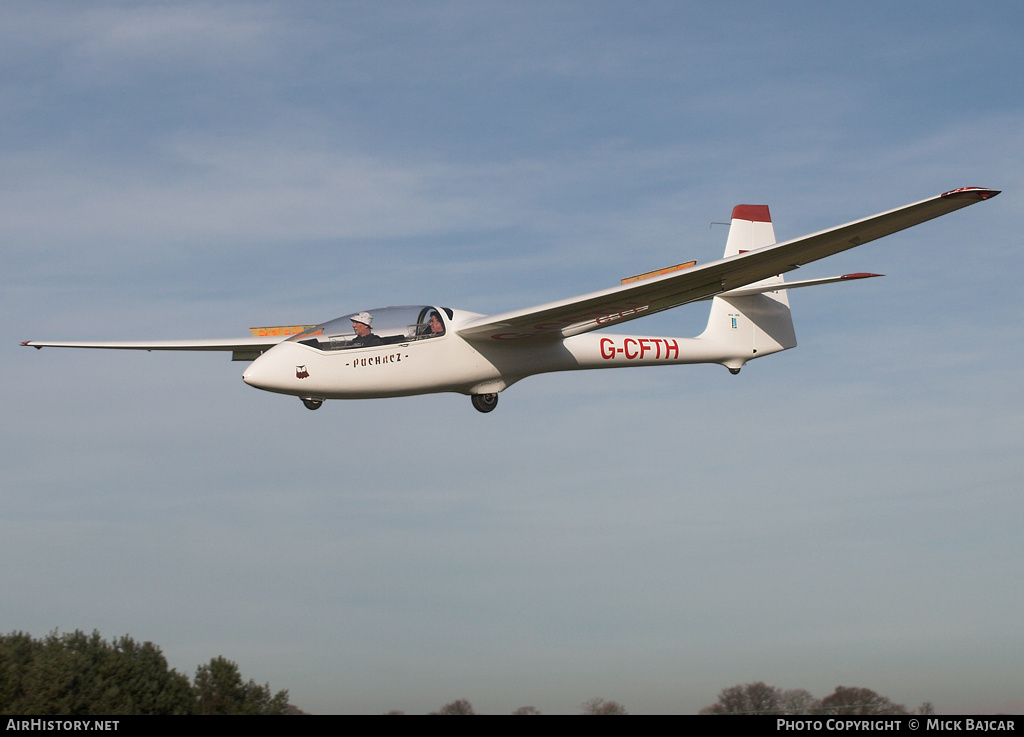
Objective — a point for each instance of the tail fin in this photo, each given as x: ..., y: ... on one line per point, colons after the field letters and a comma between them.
x: 742, y: 328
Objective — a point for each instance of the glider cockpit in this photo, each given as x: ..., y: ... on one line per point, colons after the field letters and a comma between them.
x: 387, y: 326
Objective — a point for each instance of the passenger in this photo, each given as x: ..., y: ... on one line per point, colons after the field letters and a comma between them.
x: 361, y: 325
x: 434, y: 325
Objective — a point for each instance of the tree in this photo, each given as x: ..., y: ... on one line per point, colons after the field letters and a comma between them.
x: 461, y: 707
x: 797, y: 701
x: 846, y: 701
x: 526, y: 710
x: 753, y: 698
x: 76, y: 674
x: 17, y: 653
x: 600, y: 707
x: 220, y: 690
x: 760, y: 698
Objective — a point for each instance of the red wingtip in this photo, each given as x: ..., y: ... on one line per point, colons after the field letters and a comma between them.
x: 859, y: 275
x: 973, y: 192
x: 756, y: 213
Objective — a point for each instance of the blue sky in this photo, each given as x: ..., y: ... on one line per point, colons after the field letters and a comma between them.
x: 846, y: 513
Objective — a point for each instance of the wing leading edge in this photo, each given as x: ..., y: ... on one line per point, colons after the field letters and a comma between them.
x: 242, y: 349
x: 619, y: 304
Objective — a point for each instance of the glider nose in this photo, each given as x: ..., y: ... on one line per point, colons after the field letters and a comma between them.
x: 265, y: 373
x: 253, y: 375
x: 281, y: 369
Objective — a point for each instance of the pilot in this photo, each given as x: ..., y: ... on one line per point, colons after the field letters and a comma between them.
x: 434, y: 325
x: 361, y: 325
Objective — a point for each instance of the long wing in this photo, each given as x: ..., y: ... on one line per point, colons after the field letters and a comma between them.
x: 242, y: 349
x: 628, y: 302
x: 214, y: 344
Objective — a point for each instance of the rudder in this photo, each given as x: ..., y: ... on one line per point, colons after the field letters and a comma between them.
x: 745, y: 327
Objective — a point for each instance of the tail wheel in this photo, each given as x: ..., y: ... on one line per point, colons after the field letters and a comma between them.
x: 485, y: 402
x: 312, y: 403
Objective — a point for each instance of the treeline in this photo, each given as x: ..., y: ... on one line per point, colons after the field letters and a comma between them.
x: 595, y: 707
x: 75, y: 674
x: 751, y: 698
x: 760, y: 698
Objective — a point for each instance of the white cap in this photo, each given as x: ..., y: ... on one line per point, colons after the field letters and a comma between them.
x: 364, y: 317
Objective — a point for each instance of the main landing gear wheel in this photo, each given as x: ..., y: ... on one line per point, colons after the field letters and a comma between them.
x: 312, y: 403
x: 485, y: 402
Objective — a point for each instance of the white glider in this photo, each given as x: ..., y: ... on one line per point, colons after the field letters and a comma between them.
x: 400, y: 351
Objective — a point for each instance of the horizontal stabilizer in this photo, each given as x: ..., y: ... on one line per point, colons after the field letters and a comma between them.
x: 762, y: 288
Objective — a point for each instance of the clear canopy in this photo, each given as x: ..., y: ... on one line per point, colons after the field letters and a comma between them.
x: 387, y: 325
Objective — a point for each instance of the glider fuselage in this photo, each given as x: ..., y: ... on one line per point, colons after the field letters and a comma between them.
x: 449, y: 363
